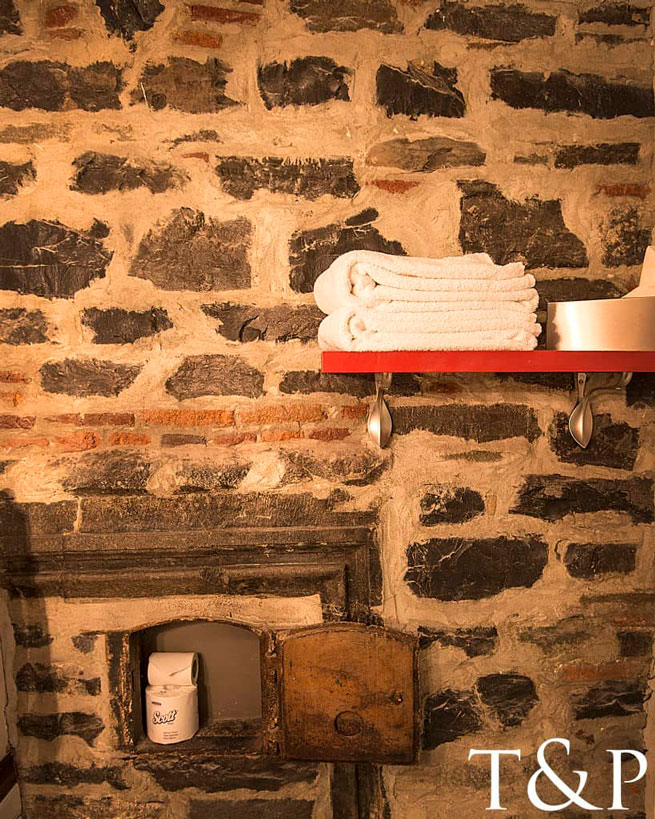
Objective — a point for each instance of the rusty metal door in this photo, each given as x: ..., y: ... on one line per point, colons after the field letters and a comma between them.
x: 348, y: 694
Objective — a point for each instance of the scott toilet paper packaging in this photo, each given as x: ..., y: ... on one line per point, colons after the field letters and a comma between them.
x: 171, y: 713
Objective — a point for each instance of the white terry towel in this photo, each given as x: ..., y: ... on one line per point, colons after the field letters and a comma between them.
x: 443, y: 320
x: 342, y: 330
x: 369, y: 278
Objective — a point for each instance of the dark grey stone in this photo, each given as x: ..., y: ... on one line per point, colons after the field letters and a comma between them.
x: 9, y: 18
x: 84, y: 807
x: 108, y: 473
x: 448, y: 504
x: 449, y: 714
x: 532, y: 232
x: 100, y: 173
x: 303, y: 81
x: 14, y: 176
x: 508, y: 23
x: 564, y: 634
x: 640, y: 392
x: 49, y: 259
x: 125, y: 17
x: 553, y: 497
x: 590, y: 560
x: 55, y: 86
x: 613, y: 698
x: 616, y: 14
x: 417, y: 92
x: 241, y: 322
x: 576, y: 93
x: 348, y: 15
x: 635, y: 643
x: 198, y: 477
x: 215, y: 375
x: 241, y: 176
x: 510, y: 696
x: 45, y: 678
x: 85, y: 642
x: 309, y: 381
x: 31, y: 635
x: 69, y: 776
x: 24, y: 519
x: 118, y: 326
x: 51, y: 726
x: 480, y: 641
x: 178, y: 772
x: 550, y: 381
x: 184, y: 85
x: 614, y: 444
x: 251, y: 809
x: 576, y: 289
x: 424, y: 155
x: 473, y: 422
x: 471, y: 569
x: 352, y: 469
x: 192, y: 252
x: 313, y: 251
x: 83, y: 377
x: 625, y: 237
x: 604, y: 153
x: 21, y: 326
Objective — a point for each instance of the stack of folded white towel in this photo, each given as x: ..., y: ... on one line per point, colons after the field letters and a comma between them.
x: 375, y: 301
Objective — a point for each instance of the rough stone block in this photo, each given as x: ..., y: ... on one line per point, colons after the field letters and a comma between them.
x: 480, y: 641
x: 553, y: 497
x: 31, y: 635
x: 21, y: 520
x: 82, y: 807
x: 46, y: 678
x: 108, y: 473
x: 590, y: 560
x: 86, y: 642
x: 69, y: 776
x: 185, y: 85
x: 507, y: 23
x: 251, y: 809
x: 424, y: 155
x: 313, y: 251
x: 51, y: 726
x: 48, y: 259
x: 510, y: 696
x: 13, y: 176
x: 640, y: 392
x: 241, y: 176
x: 101, y: 173
x: 189, y: 251
x: 240, y: 322
x: 125, y: 17
x: 118, y: 326
x: 447, y: 504
x: 199, y: 477
x: 309, y: 381
x: 84, y: 377
x: 559, y: 636
x: 352, y: 469
x: 576, y: 289
x: 532, y: 232
x: 470, y: 569
x: 625, y: 237
x: 215, y: 375
x: 348, y: 15
x: 575, y: 93
x: 616, y: 14
x: 21, y: 326
x: 55, y: 86
x: 303, y: 81
x: 449, y: 714
x: 419, y: 92
x: 603, y: 153
x: 635, y: 643
x: 614, y: 444
x: 613, y: 698
x: 473, y: 422
x: 9, y: 18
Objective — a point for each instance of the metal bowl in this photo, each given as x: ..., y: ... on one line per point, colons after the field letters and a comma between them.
x: 603, y: 324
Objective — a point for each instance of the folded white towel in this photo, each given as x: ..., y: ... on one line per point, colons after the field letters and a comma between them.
x: 523, y: 310
x: 374, y: 320
x: 342, y: 331
x: 366, y: 277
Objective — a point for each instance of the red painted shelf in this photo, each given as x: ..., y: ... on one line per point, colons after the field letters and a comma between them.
x: 489, y: 361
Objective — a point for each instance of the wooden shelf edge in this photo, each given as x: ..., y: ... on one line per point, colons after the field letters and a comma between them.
x: 479, y: 361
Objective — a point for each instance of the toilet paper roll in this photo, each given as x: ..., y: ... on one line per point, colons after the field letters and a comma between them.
x: 173, y: 668
x: 171, y: 713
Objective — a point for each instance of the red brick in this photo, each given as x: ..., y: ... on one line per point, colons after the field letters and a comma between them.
x: 180, y: 439
x: 593, y: 672
x: 59, y: 16
x: 394, y: 185
x: 197, y: 155
x: 77, y: 441
x: 234, y: 438
x: 279, y: 413
x: 278, y: 434
x: 13, y: 398
x: 16, y: 422
x: 68, y: 418
x: 108, y: 419
x: 220, y: 15
x: 7, y: 377
x: 357, y: 412
x: 189, y: 418
x: 625, y: 189
x: 198, y: 38
x: 327, y: 433
x: 23, y: 443
x: 67, y: 33
x: 129, y: 439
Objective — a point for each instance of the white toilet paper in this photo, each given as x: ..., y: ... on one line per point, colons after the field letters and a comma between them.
x: 173, y: 668
x: 171, y: 713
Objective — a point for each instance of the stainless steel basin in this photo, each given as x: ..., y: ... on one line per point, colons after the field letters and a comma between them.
x: 603, y: 324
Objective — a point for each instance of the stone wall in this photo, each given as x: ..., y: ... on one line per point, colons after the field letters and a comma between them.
x: 174, y: 178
